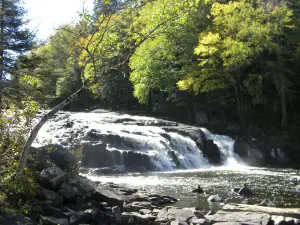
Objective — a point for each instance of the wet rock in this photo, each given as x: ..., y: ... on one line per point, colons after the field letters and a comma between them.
x: 84, y: 170
x: 49, y: 195
x: 172, y: 213
x: 97, y: 156
x: 109, y: 170
x: 211, y: 151
x: 68, y: 192
x: 254, y: 218
x: 290, y: 221
x: 17, y: 219
x: 251, y: 155
x: 49, y: 220
x: 52, y: 178
x: 136, y: 218
x: 174, y: 158
x: 215, y: 198
x: 279, y: 220
x: 61, y: 157
x: 245, y: 192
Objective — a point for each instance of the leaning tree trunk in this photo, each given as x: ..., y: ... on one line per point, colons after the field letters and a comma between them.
x: 1, y: 53
x: 38, y: 126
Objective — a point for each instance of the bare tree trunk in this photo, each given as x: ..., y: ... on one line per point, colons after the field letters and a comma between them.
x: 38, y: 126
x: 1, y: 52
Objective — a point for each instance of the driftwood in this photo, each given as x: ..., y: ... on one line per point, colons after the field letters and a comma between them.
x: 287, y: 212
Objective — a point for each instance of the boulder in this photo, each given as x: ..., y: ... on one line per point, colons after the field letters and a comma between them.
x: 251, y: 155
x: 52, y: 178
x: 279, y: 220
x: 136, y: 206
x: 253, y: 218
x: 49, y: 195
x: 61, y: 157
x: 49, y: 220
x: 201, y: 221
x: 136, y: 218
x: 178, y: 222
x: 287, y: 212
x: 145, y: 211
x: 52, y: 211
x: 68, y: 192
x: 215, y: 198
x: 17, y: 219
x: 211, y: 151
x: 172, y: 213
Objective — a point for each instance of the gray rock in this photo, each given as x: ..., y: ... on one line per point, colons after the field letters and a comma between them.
x: 116, y: 211
x: 52, y: 177
x: 253, y: 218
x: 45, y: 220
x: 172, y: 213
x: 61, y: 157
x: 228, y: 223
x: 136, y: 206
x: 279, y: 220
x: 145, y: 211
x: 178, y: 222
x: 52, y: 211
x: 201, y: 221
x: 17, y: 219
x: 68, y: 192
x: 49, y: 195
x: 136, y: 218
x: 266, y: 202
x: 290, y: 220
x: 215, y: 198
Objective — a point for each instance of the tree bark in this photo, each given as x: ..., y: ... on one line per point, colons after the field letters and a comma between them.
x: 1, y: 52
x: 38, y: 126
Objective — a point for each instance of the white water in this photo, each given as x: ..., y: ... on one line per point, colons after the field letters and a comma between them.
x: 225, y: 144
x: 153, y: 141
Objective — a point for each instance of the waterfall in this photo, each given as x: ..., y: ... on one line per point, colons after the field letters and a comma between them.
x: 135, y: 142
x: 225, y: 144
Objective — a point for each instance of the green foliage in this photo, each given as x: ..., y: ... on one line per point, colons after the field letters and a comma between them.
x: 15, y: 125
x: 161, y: 60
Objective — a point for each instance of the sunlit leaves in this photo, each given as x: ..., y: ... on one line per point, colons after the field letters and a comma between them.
x: 240, y: 33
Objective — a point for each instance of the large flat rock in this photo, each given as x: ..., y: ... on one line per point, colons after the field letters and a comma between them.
x: 172, y: 213
x: 250, y: 218
x: 287, y: 212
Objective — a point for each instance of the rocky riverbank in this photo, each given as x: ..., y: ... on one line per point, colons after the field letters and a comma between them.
x: 78, y: 200
x: 70, y: 199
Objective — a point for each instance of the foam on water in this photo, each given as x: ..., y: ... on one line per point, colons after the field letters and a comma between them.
x: 148, y: 139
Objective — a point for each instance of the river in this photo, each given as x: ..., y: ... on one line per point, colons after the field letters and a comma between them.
x: 272, y: 184
x: 175, y: 155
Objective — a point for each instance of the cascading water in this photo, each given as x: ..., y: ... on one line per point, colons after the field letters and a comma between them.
x: 113, y: 139
x: 225, y: 144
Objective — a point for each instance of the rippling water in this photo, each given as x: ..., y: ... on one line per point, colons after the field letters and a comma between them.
x: 273, y: 184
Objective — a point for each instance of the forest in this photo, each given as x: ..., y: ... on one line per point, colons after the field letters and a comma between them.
x: 236, y: 60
